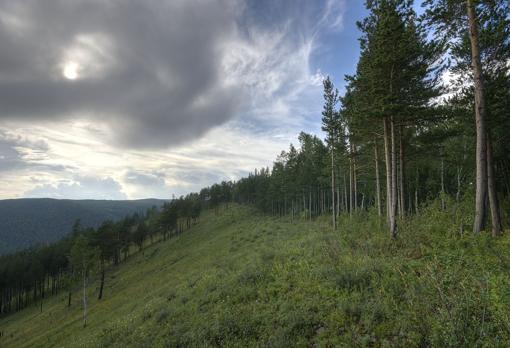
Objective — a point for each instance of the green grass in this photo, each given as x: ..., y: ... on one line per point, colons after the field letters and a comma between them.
x: 239, y: 279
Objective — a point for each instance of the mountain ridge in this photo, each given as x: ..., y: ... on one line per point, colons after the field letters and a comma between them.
x: 27, y: 222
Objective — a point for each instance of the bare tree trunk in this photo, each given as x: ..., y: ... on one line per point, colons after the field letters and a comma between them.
x: 393, y: 221
x: 387, y: 155
x: 84, y: 300
x: 506, y: 174
x: 346, y: 205
x: 402, y: 178
x: 337, y: 200
x: 355, y: 186
x: 459, y: 184
x: 416, y: 190
x: 310, y: 203
x: 409, y: 199
x: 320, y: 201
x: 101, y: 286
x: 292, y: 211
x: 377, y: 179
x: 351, y: 188
x: 505, y: 178
x: 323, y: 201
x: 481, y: 117
x: 304, y: 204
x: 333, y: 210
x: 493, y: 194
x: 443, y: 203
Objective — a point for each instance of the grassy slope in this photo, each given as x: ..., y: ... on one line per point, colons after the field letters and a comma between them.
x: 240, y: 279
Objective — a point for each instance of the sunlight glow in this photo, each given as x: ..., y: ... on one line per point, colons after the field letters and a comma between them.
x: 70, y: 70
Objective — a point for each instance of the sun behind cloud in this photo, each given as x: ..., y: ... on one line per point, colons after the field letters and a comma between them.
x: 70, y: 70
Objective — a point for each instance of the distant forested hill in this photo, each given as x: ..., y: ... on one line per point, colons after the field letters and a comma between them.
x: 26, y: 222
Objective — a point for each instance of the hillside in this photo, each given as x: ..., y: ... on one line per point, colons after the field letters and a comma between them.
x: 30, y: 221
x: 239, y: 279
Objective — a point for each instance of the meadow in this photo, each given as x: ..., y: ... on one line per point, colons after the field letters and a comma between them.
x: 242, y: 279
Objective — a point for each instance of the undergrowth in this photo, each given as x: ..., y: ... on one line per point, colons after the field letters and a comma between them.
x: 240, y: 279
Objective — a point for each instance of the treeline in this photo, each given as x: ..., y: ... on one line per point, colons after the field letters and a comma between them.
x: 30, y: 276
x: 400, y: 136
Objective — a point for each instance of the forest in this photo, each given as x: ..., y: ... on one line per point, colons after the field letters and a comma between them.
x: 424, y: 120
x: 31, y: 221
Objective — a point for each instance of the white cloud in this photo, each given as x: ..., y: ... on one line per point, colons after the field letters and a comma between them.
x: 280, y: 96
x: 75, y: 159
x: 333, y: 14
x: 80, y: 188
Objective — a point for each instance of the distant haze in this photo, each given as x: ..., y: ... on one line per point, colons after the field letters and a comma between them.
x: 29, y: 222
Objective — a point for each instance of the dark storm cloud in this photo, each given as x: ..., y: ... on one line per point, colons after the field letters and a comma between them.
x: 152, y: 70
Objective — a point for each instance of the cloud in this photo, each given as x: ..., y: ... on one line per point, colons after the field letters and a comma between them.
x: 10, y: 158
x: 150, y: 70
x: 147, y: 184
x: 156, y: 73
x: 81, y: 188
x: 20, y: 152
x: 161, y: 97
x: 333, y: 15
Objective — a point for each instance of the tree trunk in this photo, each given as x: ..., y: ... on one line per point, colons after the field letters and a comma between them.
x: 69, y: 299
x: 337, y: 200
x: 333, y: 210
x: 393, y: 222
x: 506, y: 175
x: 443, y: 203
x: 459, y: 184
x: 493, y: 194
x: 416, y: 190
x: 351, y: 188
x: 310, y: 203
x: 481, y: 117
x: 101, y: 286
x: 84, y: 300
x: 346, y: 205
x: 409, y: 199
x: 387, y: 156
x: 402, y: 178
x: 377, y: 179
x: 355, y: 185
x: 322, y: 201
x: 304, y: 204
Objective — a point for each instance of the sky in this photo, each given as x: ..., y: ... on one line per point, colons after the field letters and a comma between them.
x: 128, y: 99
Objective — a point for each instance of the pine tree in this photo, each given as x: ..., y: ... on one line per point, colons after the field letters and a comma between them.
x: 333, y: 128
x: 460, y: 19
x: 394, y: 83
